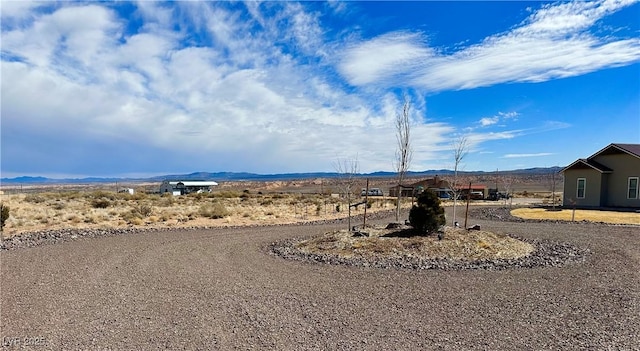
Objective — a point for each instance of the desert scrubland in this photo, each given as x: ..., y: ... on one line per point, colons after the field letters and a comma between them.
x: 232, y: 204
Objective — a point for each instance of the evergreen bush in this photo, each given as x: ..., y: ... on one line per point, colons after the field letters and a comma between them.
x: 427, y: 216
x: 4, y: 215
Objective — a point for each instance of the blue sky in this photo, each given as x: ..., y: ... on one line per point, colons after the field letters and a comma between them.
x: 137, y: 89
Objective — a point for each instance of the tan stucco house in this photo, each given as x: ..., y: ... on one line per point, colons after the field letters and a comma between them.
x: 608, y: 178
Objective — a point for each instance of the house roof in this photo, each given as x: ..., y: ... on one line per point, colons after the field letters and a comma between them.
x: 194, y: 183
x: 588, y: 163
x: 472, y: 187
x: 631, y: 149
x: 614, y: 148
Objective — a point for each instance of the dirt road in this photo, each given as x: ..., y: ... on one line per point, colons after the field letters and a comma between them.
x: 219, y: 289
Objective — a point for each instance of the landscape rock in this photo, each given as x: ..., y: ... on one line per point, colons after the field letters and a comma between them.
x: 546, y: 254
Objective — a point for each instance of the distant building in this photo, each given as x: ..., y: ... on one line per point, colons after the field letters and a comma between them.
x: 475, y: 191
x: 436, y: 184
x: 186, y: 187
x: 608, y: 178
x: 126, y: 191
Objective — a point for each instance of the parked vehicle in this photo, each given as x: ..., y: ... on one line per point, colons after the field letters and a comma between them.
x: 476, y: 195
x: 495, y: 195
x: 444, y: 195
x: 372, y: 192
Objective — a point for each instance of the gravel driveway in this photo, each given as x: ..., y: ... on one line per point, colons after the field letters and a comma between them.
x: 220, y: 289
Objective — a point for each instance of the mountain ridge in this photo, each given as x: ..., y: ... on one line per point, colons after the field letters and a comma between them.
x: 246, y: 176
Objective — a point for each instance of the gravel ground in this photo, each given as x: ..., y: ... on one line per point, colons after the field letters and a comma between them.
x: 221, y: 289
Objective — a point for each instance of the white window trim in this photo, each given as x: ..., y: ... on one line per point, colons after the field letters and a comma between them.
x: 629, y: 188
x: 584, y: 191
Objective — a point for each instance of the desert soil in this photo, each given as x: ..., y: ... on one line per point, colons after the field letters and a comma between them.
x: 221, y: 289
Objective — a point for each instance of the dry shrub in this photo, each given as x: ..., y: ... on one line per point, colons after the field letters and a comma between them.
x: 166, y: 200
x: 59, y: 205
x: 227, y: 194
x: 138, y: 196
x: 136, y: 221
x: 266, y: 202
x: 90, y: 220
x: 102, y: 194
x: 213, y: 211
x: 34, y: 198
x: 142, y: 210
x: 70, y: 195
x: 130, y: 217
x: 100, y: 203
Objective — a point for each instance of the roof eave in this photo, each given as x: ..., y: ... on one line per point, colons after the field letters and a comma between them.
x: 583, y: 161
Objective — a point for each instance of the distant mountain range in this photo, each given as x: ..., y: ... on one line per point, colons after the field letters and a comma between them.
x: 237, y: 176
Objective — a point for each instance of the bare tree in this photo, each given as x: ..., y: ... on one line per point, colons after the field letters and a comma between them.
x: 507, y: 180
x: 460, y: 150
x: 404, y: 152
x: 347, y: 170
x: 554, y: 179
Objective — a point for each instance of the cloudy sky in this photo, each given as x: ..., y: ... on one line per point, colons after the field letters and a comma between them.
x: 137, y: 89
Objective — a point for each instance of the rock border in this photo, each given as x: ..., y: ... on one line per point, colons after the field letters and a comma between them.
x: 546, y: 254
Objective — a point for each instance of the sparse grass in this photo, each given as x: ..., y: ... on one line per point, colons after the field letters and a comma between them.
x: 580, y: 215
x: 101, y: 208
x: 457, y: 244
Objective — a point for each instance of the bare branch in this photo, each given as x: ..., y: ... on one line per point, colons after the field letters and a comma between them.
x: 404, y: 152
x: 460, y: 150
x: 347, y: 170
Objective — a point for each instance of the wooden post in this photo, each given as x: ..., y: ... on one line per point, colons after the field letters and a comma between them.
x: 1, y: 227
x: 466, y: 214
x: 366, y: 202
x: 349, y: 209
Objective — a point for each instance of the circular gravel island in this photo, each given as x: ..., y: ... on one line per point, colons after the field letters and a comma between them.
x: 458, y: 249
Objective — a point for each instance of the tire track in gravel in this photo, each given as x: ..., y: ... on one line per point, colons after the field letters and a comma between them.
x: 219, y: 289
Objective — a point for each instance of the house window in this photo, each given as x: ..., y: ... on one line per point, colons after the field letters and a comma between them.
x: 632, y: 188
x: 582, y: 185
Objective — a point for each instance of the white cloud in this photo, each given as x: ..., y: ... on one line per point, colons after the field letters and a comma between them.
x: 552, y: 43
x: 487, y: 121
x: 240, y: 96
x: 80, y: 79
x: 500, y: 116
x: 384, y: 57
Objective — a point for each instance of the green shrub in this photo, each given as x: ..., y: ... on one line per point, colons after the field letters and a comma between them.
x: 4, y: 215
x: 427, y: 216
